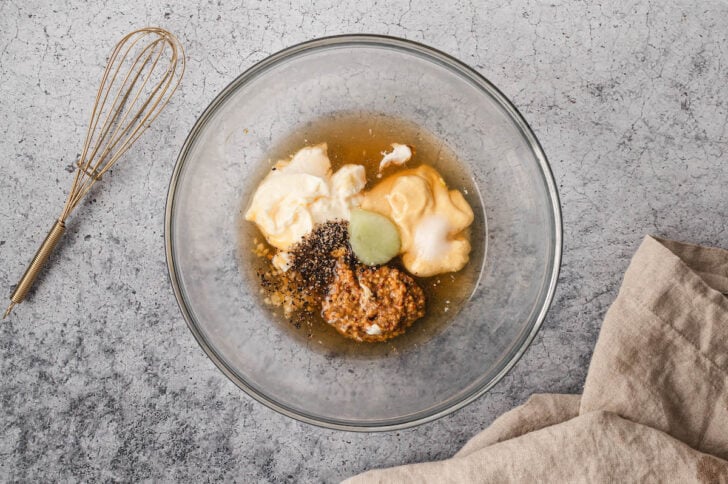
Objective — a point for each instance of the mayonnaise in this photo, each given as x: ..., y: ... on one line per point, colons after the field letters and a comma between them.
x: 301, y: 193
x: 431, y: 219
x: 399, y: 155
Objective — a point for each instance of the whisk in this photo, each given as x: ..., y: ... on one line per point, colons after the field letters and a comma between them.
x: 143, y: 72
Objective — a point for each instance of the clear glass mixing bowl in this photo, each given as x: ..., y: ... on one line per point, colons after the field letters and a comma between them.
x: 518, y: 235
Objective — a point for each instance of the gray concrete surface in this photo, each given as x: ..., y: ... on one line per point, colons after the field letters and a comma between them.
x: 101, y: 378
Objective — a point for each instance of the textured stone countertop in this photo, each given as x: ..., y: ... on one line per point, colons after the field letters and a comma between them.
x: 101, y: 379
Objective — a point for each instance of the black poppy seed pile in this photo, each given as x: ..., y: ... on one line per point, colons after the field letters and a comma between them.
x: 315, y: 256
x: 298, y: 291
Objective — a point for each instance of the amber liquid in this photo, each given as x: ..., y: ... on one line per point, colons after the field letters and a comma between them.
x: 360, y: 138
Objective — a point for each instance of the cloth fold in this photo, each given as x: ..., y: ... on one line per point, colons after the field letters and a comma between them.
x: 655, y: 401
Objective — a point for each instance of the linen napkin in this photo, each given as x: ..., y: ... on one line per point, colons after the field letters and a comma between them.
x: 655, y: 401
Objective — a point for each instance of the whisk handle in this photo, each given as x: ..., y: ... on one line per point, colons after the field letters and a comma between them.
x: 44, y: 252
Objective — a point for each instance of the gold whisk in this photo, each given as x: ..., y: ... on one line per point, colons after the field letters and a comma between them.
x: 142, y: 73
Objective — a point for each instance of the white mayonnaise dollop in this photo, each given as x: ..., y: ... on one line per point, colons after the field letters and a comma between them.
x: 301, y: 193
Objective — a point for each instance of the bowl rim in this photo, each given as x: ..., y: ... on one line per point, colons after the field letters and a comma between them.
x: 460, y: 68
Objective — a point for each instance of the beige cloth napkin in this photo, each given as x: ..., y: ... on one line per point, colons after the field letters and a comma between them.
x: 655, y: 402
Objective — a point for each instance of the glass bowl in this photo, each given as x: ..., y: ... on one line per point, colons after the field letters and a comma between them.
x: 516, y: 238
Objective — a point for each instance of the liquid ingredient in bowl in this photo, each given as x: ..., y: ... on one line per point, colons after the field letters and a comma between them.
x: 301, y: 193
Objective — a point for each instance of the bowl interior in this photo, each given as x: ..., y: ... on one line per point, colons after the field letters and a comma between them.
x: 225, y: 157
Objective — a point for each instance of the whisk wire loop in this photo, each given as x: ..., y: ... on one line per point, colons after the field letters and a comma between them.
x: 135, y: 87
x: 132, y: 93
